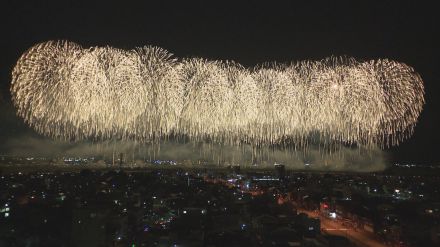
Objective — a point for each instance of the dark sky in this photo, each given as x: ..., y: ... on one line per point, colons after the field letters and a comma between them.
x: 246, y: 32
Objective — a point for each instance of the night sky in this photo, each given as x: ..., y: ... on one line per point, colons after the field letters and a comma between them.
x: 248, y: 33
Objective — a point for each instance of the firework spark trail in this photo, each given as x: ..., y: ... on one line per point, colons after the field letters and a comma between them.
x: 67, y: 92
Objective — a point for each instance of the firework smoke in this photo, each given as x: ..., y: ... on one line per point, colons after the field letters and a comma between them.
x: 67, y: 92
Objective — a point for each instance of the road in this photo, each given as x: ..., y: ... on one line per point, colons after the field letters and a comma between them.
x: 332, y: 227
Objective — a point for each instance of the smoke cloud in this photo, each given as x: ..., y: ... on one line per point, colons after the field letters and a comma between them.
x: 204, y: 154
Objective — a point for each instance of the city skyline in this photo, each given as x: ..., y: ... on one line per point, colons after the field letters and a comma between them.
x: 214, y: 124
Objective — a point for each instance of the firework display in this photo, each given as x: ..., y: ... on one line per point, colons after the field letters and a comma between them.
x: 68, y: 92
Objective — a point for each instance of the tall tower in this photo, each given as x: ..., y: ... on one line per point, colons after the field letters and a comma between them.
x: 280, y: 171
x: 121, y: 155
